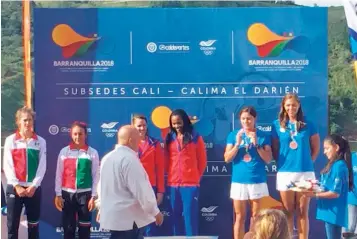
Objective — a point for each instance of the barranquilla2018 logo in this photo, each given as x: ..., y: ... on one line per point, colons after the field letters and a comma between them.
x: 75, y: 46
x: 271, y: 46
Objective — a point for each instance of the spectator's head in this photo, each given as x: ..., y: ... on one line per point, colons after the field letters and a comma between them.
x: 271, y: 223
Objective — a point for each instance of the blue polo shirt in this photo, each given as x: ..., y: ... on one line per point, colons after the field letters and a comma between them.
x: 294, y: 160
x: 248, y: 171
x: 352, y: 196
x: 334, y: 210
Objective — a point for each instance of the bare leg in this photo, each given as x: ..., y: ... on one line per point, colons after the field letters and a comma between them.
x: 288, y: 200
x: 239, y: 223
x: 302, y: 213
x: 255, y: 207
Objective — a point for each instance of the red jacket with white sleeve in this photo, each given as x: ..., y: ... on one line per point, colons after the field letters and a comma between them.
x: 77, y: 170
x: 24, y: 160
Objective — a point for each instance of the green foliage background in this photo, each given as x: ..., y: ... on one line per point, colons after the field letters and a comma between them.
x: 342, y: 85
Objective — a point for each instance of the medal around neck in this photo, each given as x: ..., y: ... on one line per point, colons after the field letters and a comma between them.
x: 247, y: 157
x: 293, y: 145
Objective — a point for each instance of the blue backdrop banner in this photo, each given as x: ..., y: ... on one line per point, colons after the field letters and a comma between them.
x: 102, y: 65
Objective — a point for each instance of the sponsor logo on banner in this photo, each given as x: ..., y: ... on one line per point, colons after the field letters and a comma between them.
x: 207, y: 47
x: 168, y: 47
x: 92, y: 229
x: 53, y: 129
x: 109, y: 129
x: 63, y: 130
x: 271, y: 48
x: 209, y: 213
x: 74, y: 46
x: 265, y: 128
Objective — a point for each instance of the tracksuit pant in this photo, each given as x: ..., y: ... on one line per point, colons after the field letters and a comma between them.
x: 76, y: 205
x: 184, y: 201
x: 14, y: 209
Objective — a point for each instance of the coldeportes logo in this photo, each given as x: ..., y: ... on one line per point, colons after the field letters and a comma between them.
x: 168, y: 47
x: 151, y: 47
x: 72, y: 43
x: 270, y: 44
x: 53, y: 129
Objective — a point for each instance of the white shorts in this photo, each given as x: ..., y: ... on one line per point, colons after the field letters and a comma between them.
x: 283, y: 179
x: 240, y: 191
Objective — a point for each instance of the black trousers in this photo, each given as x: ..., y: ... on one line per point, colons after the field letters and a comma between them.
x: 135, y: 233
x: 76, y: 204
x: 14, y: 209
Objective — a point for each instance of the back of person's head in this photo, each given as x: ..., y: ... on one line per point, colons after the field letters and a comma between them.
x: 271, y: 224
x: 129, y: 136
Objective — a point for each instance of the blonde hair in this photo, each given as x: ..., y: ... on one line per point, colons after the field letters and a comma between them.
x: 24, y: 110
x: 271, y: 224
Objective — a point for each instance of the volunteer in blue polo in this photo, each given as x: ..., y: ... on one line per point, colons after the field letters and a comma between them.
x: 335, y: 185
x: 249, y: 151
x: 295, y: 145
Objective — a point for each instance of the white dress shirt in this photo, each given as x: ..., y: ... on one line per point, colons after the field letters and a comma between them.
x: 125, y: 193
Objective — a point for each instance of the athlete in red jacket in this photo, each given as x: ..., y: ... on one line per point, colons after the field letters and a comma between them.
x: 185, y: 164
x: 152, y: 158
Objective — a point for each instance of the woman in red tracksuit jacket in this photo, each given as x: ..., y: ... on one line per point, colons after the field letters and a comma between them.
x: 152, y: 158
x: 185, y: 164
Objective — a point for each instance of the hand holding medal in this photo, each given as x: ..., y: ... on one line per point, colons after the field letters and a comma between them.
x: 253, y: 137
x: 239, y: 137
x: 249, y: 138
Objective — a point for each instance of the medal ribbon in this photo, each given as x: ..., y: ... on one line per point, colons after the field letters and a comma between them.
x: 293, y: 131
x: 247, y: 142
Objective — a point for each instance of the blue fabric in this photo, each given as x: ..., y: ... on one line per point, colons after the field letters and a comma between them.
x: 352, y: 196
x: 253, y: 171
x: 334, y: 210
x: 184, y: 201
x: 333, y: 231
x: 294, y: 160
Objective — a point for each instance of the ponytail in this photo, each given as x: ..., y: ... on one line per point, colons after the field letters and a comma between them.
x: 348, y: 158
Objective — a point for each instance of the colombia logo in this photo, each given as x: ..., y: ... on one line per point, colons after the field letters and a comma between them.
x: 72, y: 43
x: 270, y: 44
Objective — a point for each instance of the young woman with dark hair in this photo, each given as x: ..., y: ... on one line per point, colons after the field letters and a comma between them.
x: 185, y: 164
x: 336, y: 181
x: 249, y: 151
x: 77, y: 176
